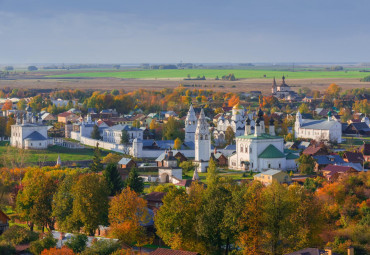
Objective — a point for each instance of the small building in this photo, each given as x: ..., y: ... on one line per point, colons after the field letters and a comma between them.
x: 271, y: 175
x: 365, y: 150
x: 64, y: 117
x: 220, y: 158
x: 154, y: 199
x: 357, y: 129
x: 324, y: 160
x: 334, y: 172
x: 315, y: 149
x: 353, y: 157
x: 169, y: 172
x: 4, y: 222
x: 127, y: 163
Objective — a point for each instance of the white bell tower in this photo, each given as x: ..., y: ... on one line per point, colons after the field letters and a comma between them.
x: 202, y: 143
x: 190, y: 125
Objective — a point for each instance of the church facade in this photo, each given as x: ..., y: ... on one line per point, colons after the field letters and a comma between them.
x: 283, y: 91
x: 261, y: 151
x: 319, y: 130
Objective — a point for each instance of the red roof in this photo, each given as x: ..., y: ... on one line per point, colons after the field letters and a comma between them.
x: 4, y: 215
x: 312, y: 150
x: 354, y: 157
x: 155, y: 196
x: 335, y: 168
x: 64, y: 114
x: 163, y: 251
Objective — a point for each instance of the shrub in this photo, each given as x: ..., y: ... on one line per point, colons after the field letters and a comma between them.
x: 46, y: 243
x: 56, y: 251
x: 6, y: 249
x: 366, y: 79
x: 18, y: 235
x: 102, y: 247
x: 77, y: 243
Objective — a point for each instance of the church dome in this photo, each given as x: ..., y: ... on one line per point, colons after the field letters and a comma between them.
x: 238, y: 106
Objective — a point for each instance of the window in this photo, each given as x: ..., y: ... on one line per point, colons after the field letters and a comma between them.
x: 279, y: 165
x: 250, y: 149
x: 241, y: 148
x: 40, y: 144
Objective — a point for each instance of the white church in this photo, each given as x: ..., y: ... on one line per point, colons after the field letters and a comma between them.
x: 319, y: 130
x: 261, y: 151
x: 29, y: 133
x: 202, y: 143
x: 236, y: 122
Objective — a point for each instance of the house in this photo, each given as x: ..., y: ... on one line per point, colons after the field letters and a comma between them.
x: 164, y: 251
x: 127, y: 163
x: 4, y: 222
x: 333, y: 172
x: 365, y: 150
x: 48, y: 117
x: 316, y: 251
x: 219, y: 158
x: 64, y: 117
x: 357, y: 128
x: 323, y: 160
x: 353, y: 157
x: 271, y: 175
x: 154, y: 199
x: 315, y: 149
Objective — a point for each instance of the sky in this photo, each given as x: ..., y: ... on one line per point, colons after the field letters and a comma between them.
x: 197, y: 31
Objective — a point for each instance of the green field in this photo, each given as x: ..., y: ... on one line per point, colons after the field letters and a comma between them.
x: 212, y: 73
x: 51, y: 154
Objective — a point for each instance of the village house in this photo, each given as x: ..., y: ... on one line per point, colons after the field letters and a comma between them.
x: 365, y: 150
x: 127, y: 163
x: 272, y: 175
x: 4, y: 222
x: 333, y: 172
x: 64, y: 117
x: 154, y: 200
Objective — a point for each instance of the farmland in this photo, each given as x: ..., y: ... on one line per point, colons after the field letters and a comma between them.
x: 213, y: 73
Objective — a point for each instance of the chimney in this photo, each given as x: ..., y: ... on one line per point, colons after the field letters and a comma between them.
x: 351, y: 251
x: 328, y: 251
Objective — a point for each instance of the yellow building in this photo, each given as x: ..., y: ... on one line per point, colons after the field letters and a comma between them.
x: 271, y: 175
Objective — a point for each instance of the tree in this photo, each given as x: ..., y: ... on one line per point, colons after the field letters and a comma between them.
x: 34, y: 201
x: 212, y: 176
x: 8, y: 129
x: 113, y: 179
x: 102, y: 247
x: 38, y: 246
x: 306, y: 164
x: 96, y: 165
x: 21, y: 105
x: 134, y: 182
x: 172, y: 129
x: 111, y: 158
x: 125, y: 138
x: 63, y: 203
x: 187, y: 166
x: 77, y: 243
x: 56, y: 251
x: 177, y: 144
x: 127, y: 212
x: 229, y: 135
x: 289, y: 137
x: 303, y: 108
x: 333, y: 90
x: 8, y: 105
x: 32, y: 68
x: 153, y: 124
x: 95, y: 133
x: 90, y: 203
x: 175, y: 221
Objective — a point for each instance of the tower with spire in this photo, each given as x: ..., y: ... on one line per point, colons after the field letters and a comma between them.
x: 202, y: 143
x: 190, y: 125
x: 274, y: 86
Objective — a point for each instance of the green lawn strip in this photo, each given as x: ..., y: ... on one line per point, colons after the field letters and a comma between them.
x: 212, y: 73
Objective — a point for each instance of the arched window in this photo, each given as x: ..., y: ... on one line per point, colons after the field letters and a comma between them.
x: 250, y: 149
x: 269, y: 165
x: 206, y: 137
x: 201, y: 137
x: 279, y: 165
x: 241, y: 148
x: 246, y: 149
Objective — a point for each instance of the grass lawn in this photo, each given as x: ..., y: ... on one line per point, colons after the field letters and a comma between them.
x: 212, y: 73
x: 354, y: 141
x: 51, y: 154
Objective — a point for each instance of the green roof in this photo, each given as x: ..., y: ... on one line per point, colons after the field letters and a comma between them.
x: 271, y: 152
x: 260, y: 137
x: 291, y: 156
